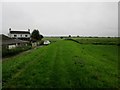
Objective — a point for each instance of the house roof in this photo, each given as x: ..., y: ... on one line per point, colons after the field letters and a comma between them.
x: 7, y: 41
x: 13, y: 41
x: 19, y: 32
x: 4, y: 37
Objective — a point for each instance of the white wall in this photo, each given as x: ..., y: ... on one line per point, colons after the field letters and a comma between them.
x: 11, y: 46
x: 46, y: 42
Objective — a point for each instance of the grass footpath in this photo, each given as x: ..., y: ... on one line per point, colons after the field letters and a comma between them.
x: 63, y: 64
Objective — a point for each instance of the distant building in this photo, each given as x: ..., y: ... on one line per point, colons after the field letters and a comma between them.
x: 22, y: 35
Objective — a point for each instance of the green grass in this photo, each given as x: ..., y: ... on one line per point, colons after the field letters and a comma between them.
x: 100, y: 40
x: 52, y: 39
x: 63, y: 64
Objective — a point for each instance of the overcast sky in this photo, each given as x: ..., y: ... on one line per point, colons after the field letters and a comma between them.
x: 62, y: 18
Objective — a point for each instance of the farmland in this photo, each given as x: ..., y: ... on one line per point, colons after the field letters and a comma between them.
x: 64, y: 64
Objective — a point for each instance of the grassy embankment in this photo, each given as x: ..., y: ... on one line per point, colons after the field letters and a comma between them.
x: 63, y: 64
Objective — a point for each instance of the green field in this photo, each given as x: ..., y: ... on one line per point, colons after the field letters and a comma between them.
x: 100, y: 40
x: 63, y: 64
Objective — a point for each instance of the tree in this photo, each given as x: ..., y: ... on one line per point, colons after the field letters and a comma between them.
x: 36, y: 35
x: 41, y: 36
x: 69, y: 36
x: 61, y: 37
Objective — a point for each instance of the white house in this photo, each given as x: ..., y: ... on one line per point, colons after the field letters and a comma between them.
x: 21, y: 34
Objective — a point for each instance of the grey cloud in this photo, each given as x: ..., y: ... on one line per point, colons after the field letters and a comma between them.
x: 63, y: 18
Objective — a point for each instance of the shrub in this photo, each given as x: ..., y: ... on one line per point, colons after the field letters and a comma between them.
x: 61, y: 37
x: 10, y: 52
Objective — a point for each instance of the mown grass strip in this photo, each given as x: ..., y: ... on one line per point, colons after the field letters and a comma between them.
x: 66, y: 64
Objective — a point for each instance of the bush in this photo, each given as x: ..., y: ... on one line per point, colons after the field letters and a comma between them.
x: 10, y: 52
x: 41, y: 42
x: 61, y: 37
x: 94, y: 42
x: 73, y: 40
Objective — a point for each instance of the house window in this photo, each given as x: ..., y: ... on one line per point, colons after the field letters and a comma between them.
x: 25, y: 35
x: 15, y: 35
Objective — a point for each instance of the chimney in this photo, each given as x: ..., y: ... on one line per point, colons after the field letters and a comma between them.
x: 9, y: 29
x: 28, y: 30
x: 9, y: 32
